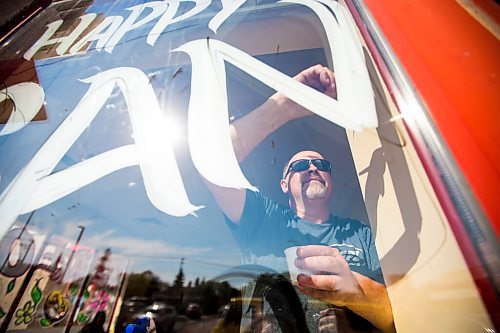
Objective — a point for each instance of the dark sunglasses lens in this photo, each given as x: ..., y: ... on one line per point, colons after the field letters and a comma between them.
x: 322, y: 165
x: 300, y: 165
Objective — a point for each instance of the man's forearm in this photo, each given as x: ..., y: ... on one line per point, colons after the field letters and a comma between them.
x: 373, y: 304
x: 250, y: 130
x: 246, y: 133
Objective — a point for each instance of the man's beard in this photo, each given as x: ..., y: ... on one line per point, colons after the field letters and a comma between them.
x: 314, y: 190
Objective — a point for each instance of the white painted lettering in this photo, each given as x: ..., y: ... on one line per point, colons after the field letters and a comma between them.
x: 27, y: 98
x: 228, y: 8
x: 208, y: 110
x: 208, y: 124
x: 154, y: 155
x: 354, y: 89
x: 112, y: 23
x: 168, y: 17
x: 64, y: 42
x: 131, y: 23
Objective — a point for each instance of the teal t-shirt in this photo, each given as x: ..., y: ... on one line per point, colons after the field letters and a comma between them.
x: 266, y: 229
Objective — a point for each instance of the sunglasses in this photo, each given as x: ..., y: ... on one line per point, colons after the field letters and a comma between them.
x: 303, y: 164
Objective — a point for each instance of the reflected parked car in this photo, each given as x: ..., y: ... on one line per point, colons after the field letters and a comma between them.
x: 135, y: 304
x: 193, y: 311
x: 129, y: 310
x: 164, y: 316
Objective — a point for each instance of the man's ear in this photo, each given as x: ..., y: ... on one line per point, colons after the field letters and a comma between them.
x: 284, y: 186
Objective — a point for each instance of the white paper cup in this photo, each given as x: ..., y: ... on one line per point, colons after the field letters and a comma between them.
x: 291, y: 255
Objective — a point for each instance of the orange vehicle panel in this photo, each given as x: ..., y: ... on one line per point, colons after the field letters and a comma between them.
x: 453, y: 61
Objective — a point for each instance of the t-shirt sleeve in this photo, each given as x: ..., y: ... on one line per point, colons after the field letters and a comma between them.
x: 256, y: 212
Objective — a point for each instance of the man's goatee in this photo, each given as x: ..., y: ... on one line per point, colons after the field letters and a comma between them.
x: 315, y: 190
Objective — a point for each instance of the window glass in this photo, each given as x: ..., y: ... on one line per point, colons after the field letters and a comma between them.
x: 146, y: 171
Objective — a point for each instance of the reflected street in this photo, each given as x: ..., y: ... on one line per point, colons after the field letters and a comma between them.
x: 182, y: 325
x: 204, y: 325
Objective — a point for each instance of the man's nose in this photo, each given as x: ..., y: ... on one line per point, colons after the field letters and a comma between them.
x: 312, y: 167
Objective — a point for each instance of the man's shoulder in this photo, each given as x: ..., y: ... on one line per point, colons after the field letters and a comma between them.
x: 255, y: 197
x: 258, y: 205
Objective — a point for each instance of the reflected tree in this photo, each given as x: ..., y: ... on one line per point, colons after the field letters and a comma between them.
x: 145, y: 284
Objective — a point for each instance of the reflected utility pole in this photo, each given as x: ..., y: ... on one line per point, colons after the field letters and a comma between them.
x: 73, y: 250
x: 76, y: 304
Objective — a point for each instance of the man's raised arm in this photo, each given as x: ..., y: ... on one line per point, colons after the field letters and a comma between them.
x: 250, y: 130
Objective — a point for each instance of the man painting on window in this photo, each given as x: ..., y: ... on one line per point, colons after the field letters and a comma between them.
x: 341, y: 250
